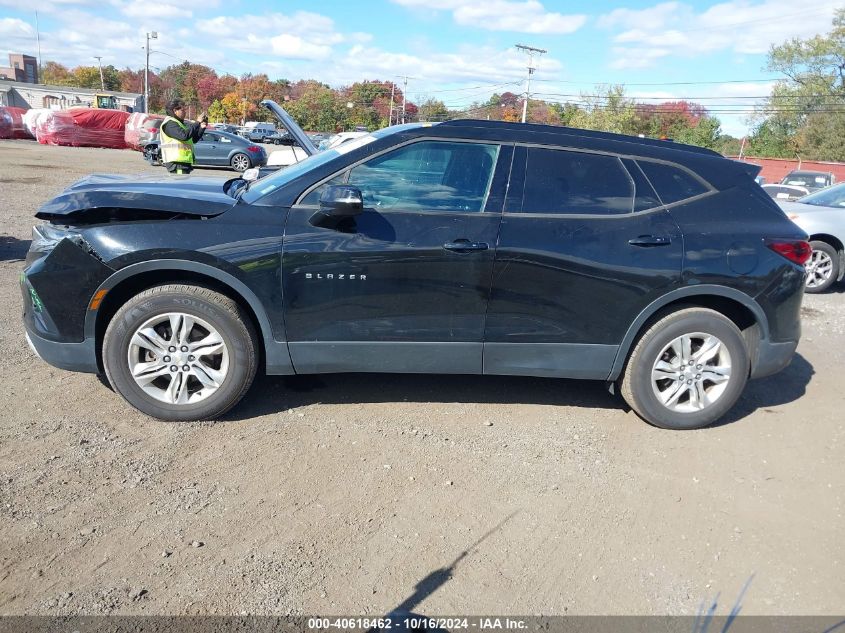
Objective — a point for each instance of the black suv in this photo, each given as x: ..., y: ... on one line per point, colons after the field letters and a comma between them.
x: 467, y: 247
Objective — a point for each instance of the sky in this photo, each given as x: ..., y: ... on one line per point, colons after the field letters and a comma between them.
x: 457, y: 51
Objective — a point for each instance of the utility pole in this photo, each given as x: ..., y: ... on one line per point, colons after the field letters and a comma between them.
x: 405, y: 93
x: 392, y: 91
x: 153, y: 35
x: 99, y: 59
x: 530, y: 50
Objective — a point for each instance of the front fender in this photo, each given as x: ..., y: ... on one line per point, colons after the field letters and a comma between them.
x: 276, y: 351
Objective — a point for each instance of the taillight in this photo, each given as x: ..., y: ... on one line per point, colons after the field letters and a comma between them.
x: 152, y: 129
x: 797, y: 251
x: 253, y: 148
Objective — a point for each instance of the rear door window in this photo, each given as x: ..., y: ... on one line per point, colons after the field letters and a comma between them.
x: 567, y: 182
x: 672, y: 183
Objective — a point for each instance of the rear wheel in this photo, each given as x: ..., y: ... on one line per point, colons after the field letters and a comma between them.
x: 240, y: 162
x: 179, y: 352
x: 687, y: 370
x: 822, y: 267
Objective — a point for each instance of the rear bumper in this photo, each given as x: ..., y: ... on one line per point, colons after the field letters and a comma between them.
x: 772, y: 357
x: 71, y: 356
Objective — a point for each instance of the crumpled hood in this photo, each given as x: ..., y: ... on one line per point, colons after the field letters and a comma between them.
x: 176, y: 194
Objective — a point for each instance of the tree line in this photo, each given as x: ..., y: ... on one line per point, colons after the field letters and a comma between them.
x: 803, y: 117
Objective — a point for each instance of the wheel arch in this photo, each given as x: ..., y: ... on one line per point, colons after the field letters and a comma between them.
x: 129, y: 281
x: 741, y: 309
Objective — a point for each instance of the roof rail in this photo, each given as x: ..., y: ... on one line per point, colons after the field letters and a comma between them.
x: 571, y: 131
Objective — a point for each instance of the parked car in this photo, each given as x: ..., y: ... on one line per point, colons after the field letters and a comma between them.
x: 257, y: 131
x: 218, y: 149
x: 822, y: 216
x: 785, y: 192
x: 224, y: 127
x: 466, y: 247
x: 811, y: 180
x: 280, y: 138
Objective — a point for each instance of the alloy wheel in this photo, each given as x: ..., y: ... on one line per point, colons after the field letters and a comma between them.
x: 178, y: 358
x: 240, y: 162
x: 691, y: 373
x: 819, y: 269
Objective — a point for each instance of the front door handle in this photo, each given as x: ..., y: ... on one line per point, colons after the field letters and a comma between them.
x: 465, y: 246
x: 650, y: 240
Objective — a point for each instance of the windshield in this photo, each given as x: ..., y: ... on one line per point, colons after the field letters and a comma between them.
x: 812, y: 180
x: 831, y: 197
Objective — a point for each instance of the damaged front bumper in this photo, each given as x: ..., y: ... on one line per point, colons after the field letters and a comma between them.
x: 60, y: 277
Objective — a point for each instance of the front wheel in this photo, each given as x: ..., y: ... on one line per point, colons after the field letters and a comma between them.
x: 822, y: 267
x: 179, y: 352
x: 687, y: 370
x: 240, y: 162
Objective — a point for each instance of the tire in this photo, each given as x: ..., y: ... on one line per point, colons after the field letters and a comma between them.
x: 661, y: 350
x: 240, y: 162
x: 277, y: 141
x: 180, y: 386
x: 152, y: 155
x: 822, y: 267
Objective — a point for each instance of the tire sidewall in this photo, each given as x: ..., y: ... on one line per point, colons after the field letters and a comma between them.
x: 652, y: 409
x: 135, y: 313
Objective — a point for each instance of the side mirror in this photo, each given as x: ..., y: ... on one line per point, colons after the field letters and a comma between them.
x: 341, y: 201
x: 250, y: 174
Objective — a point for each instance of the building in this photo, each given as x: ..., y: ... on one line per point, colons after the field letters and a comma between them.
x: 22, y: 68
x: 26, y: 95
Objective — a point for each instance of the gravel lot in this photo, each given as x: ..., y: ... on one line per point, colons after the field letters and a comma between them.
x: 353, y: 494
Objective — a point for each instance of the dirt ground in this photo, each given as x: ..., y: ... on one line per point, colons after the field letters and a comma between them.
x: 357, y: 494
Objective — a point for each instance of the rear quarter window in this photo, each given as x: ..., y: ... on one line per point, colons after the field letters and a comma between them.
x: 672, y: 183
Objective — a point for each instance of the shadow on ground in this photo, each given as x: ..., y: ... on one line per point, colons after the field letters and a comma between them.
x: 12, y: 249
x: 273, y: 394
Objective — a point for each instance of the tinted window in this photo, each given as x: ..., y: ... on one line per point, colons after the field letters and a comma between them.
x: 559, y: 181
x: 210, y: 137
x: 434, y: 175
x: 672, y: 183
x: 644, y: 196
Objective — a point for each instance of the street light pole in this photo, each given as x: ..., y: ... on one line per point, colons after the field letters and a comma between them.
x: 99, y: 59
x: 153, y: 35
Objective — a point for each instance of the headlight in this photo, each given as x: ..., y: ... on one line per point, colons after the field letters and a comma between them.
x: 46, y: 236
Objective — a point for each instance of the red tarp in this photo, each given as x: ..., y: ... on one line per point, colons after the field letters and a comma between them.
x: 83, y: 127
x: 11, y: 123
x: 141, y: 128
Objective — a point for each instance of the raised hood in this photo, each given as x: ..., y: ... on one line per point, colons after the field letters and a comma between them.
x: 119, y: 197
x: 290, y: 125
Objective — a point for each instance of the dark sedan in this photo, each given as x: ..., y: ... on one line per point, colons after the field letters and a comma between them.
x: 219, y: 149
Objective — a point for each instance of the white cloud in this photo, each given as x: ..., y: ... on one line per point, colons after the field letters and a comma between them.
x: 14, y: 28
x: 278, y: 34
x: 294, y: 47
x: 149, y: 11
x: 629, y: 58
x: 741, y: 26
x: 529, y: 16
x: 463, y: 67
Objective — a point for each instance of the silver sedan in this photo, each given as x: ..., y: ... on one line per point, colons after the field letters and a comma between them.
x: 822, y: 216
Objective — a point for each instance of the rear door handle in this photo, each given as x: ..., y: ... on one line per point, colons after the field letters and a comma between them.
x: 465, y: 246
x: 650, y: 240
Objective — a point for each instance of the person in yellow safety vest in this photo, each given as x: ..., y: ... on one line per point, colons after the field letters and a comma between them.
x: 177, y: 138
